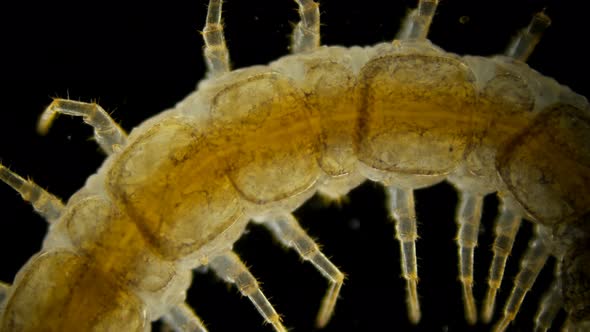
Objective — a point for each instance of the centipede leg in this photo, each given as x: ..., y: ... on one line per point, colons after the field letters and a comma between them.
x: 287, y: 230
x: 505, y: 229
x: 215, y: 52
x: 107, y: 132
x: 534, y: 259
x: 551, y: 304
x: 230, y: 268
x: 417, y: 23
x: 306, y: 34
x: 4, y: 287
x: 181, y: 318
x: 46, y: 204
x: 468, y: 220
x: 524, y: 44
x: 401, y: 207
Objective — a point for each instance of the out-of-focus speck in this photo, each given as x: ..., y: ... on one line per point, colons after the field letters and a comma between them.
x: 69, y: 137
x: 354, y: 224
x: 464, y: 19
x: 445, y: 329
x: 255, y: 18
x: 482, y: 229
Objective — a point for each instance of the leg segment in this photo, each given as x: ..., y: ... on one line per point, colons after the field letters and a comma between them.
x: 47, y: 205
x: 3, y: 292
x: 182, y: 318
x: 107, y: 132
x: 215, y: 52
x: 524, y: 44
x: 417, y: 23
x: 230, y: 268
x: 306, y: 35
x: 287, y: 230
x: 550, y: 305
x: 532, y: 263
x: 506, y: 227
x: 468, y: 219
x: 401, y: 207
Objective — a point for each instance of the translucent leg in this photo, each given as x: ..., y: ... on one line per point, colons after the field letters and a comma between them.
x: 215, y: 52
x: 550, y: 305
x: 401, y: 208
x: 524, y: 44
x: 306, y: 35
x: 165, y: 327
x: 506, y: 227
x: 182, y: 318
x: 107, y: 132
x: 417, y: 23
x: 3, y: 292
x: 532, y: 263
x: 287, y: 230
x: 468, y: 220
x: 571, y: 326
x: 47, y: 205
x: 230, y: 268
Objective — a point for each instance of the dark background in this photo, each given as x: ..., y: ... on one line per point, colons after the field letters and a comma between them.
x: 137, y: 59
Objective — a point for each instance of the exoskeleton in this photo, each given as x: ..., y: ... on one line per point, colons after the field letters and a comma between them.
x: 254, y: 144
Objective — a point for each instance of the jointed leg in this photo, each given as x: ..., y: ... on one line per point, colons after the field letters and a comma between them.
x: 182, y: 318
x: 551, y: 303
x: 468, y: 219
x: 107, y: 132
x: 306, y: 35
x: 216, y: 53
x: 505, y: 229
x: 47, y: 205
x: 3, y: 292
x: 524, y: 44
x: 534, y: 259
x: 401, y: 207
x: 287, y: 230
x: 417, y: 23
x: 230, y: 268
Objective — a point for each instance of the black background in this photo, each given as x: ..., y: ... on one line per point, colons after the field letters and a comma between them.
x: 137, y: 59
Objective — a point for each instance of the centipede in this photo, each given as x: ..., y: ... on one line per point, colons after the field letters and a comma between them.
x: 136, y: 62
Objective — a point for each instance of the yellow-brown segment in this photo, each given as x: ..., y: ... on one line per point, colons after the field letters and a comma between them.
x: 62, y: 291
x: 416, y: 113
x: 547, y: 166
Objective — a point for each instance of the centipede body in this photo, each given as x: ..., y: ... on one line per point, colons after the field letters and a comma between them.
x: 147, y: 59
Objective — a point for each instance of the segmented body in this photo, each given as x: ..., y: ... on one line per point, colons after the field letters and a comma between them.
x: 366, y: 224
